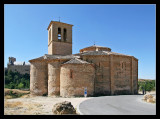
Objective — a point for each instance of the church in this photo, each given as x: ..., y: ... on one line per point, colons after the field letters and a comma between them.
x: 95, y: 68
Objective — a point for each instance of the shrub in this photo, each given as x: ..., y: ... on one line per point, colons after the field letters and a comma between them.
x: 146, y: 85
x: 15, y: 80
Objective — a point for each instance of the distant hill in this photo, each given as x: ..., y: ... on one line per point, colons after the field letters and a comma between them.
x: 142, y: 80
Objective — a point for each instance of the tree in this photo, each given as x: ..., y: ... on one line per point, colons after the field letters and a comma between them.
x: 11, y: 85
x: 20, y: 85
x: 147, y: 85
x: 15, y: 80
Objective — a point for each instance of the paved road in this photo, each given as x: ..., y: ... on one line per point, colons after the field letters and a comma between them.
x: 117, y: 105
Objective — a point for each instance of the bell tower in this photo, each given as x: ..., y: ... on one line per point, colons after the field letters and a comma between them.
x: 59, y: 38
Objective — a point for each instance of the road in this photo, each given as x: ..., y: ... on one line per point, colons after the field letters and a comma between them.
x: 117, y: 105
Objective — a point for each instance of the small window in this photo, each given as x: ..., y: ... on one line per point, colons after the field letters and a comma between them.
x: 71, y: 74
x: 59, y: 34
x: 59, y: 30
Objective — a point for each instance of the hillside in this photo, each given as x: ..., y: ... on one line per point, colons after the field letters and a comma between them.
x: 145, y: 80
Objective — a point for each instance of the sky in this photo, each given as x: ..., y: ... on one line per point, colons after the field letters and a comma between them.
x: 127, y: 29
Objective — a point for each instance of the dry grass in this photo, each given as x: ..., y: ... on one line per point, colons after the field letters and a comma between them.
x: 18, y: 108
x: 14, y: 93
x: 12, y: 104
x: 33, y: 105
x: 8, y: 97
x: 26, y: 96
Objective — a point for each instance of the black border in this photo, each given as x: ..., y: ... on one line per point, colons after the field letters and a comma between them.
x: 2, y: 116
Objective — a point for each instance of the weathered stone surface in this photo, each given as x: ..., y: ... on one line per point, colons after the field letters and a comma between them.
x: 39, y: 79
x: 74, y: 78
x: 58, y: 73
x: 55, y: 46
x: 63, y: 108
x: 54, y: 78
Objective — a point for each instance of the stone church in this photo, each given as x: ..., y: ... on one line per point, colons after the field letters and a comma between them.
x: 97, y: 68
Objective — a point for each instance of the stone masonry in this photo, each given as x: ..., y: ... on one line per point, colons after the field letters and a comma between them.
x: 97, y: 68
x: 21, y: 67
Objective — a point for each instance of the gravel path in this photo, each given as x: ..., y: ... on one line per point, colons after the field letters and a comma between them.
x: 36, y: 105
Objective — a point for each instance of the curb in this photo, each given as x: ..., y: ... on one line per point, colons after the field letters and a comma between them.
x: 79, y: 110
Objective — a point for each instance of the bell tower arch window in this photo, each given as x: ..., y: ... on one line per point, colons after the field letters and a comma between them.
x: 59, y: 34
x: 65, y: 34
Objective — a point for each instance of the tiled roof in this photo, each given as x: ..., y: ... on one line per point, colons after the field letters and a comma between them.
x: 95, y: 53
x: 76, y: 61
x: 57, y: 22
x: 96, y: 46
x: 76, y: 56
x: 39, y: 58
x: 119, y: 54
x: 46, y: 56
x: 101, y: 53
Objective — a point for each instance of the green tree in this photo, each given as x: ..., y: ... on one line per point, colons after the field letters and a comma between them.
x: 20, y: 85
x: 147, y: 85
x: 16, y: 80
x: 11, y: 85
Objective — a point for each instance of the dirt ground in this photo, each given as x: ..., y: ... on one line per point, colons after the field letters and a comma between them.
x: 38, y: 105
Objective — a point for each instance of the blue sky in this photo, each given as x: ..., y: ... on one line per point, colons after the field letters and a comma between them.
x: 128, y: 29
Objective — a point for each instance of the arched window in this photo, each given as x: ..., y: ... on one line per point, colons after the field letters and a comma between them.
x: 59, y: 34
x: 65, y: 34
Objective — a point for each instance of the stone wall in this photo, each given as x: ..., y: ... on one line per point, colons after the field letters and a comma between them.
x: 39, y: 78
x: 74, y: 78
x: 54, y: 78
x: 61, y: 48
x: 50, y: 51
x: 22, y: 69
x: 122, y: 74
x: 135, y: 75
x: 102, y: 75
